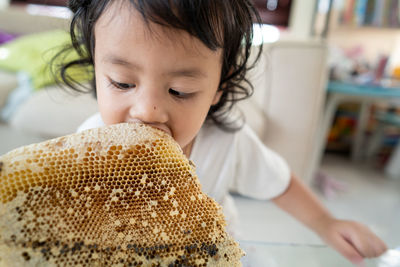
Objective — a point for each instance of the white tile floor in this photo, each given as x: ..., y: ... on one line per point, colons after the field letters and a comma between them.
x: 370, y: 198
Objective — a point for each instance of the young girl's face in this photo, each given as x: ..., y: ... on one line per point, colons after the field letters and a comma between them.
x: 154, y: 75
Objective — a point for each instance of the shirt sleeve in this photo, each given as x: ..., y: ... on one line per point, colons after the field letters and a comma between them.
x: 260, y: 172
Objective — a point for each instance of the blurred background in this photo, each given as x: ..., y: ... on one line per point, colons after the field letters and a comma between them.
x: 327, y: 98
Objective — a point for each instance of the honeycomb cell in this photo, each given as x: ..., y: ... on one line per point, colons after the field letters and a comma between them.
x: 118, y: 195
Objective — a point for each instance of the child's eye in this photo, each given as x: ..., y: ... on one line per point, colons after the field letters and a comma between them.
x: 178, y: 94
x: 123, y: 86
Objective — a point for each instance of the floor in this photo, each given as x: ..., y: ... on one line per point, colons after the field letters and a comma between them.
x: 268, y: 235
x: 369, y: 198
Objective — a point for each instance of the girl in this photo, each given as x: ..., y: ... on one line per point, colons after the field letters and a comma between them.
x: 179, y: 66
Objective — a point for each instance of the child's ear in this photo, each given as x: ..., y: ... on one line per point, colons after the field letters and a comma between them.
x: 217, y: 97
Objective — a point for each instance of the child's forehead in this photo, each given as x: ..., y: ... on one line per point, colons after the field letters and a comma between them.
x: 123, y: 22
x: 124, y: 14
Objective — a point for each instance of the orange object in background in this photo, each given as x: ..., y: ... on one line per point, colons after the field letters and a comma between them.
x: 342, y: 131
x: 344, y: 126
x: 396, y: 72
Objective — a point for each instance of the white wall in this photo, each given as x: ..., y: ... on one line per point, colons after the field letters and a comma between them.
x: 301, y: 19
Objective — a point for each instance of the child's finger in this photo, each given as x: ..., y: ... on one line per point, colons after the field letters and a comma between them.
x: 382, y: 247
x: 378, y: 245
x: 362, y: 243
x: 348, y: 251
x: 367, y: 244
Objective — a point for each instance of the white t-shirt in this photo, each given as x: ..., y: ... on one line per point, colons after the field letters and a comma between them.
x: 236, y: 161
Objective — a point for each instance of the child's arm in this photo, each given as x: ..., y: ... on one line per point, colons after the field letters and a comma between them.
x: 353, y: 240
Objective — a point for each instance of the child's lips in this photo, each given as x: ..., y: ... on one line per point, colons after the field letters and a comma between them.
x: 159, y: 126
x: 162, y: 128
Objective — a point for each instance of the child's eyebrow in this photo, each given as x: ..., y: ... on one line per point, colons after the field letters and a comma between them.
x: 119, y: 61
x: 190, y: 72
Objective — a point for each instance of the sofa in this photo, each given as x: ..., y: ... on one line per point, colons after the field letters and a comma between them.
x: 285, y: 109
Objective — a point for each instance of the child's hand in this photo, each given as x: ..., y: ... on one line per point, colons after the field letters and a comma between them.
x: 353, y: 240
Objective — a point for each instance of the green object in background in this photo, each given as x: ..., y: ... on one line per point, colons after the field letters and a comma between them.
x: 33, y: 54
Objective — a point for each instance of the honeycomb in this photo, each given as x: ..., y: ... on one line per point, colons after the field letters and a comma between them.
x: 120, y: 195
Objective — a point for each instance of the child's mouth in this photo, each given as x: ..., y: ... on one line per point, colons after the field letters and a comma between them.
x: 159, y: 126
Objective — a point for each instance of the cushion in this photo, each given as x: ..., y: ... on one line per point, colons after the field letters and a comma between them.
x: 8, y: 81
x: 6, y: 37
x: 33, y: 54
x: 53, y: 112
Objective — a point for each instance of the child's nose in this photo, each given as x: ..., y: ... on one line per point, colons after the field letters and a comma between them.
x: 149, y: 108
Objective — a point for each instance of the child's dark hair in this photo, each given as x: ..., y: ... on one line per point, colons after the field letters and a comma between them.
x: 226, y: 24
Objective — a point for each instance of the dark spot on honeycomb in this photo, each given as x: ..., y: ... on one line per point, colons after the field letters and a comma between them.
x: 37, y: 244
x: 210, y: 249
x: 64, y: 249
x: 179, y: 263
x: 26, y: 256
x: 184, y: 260
x: 191, y: 248
x: 44, y: 251
x: 77, y: 246
x: 94, y: 246
x: 1, y: 166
